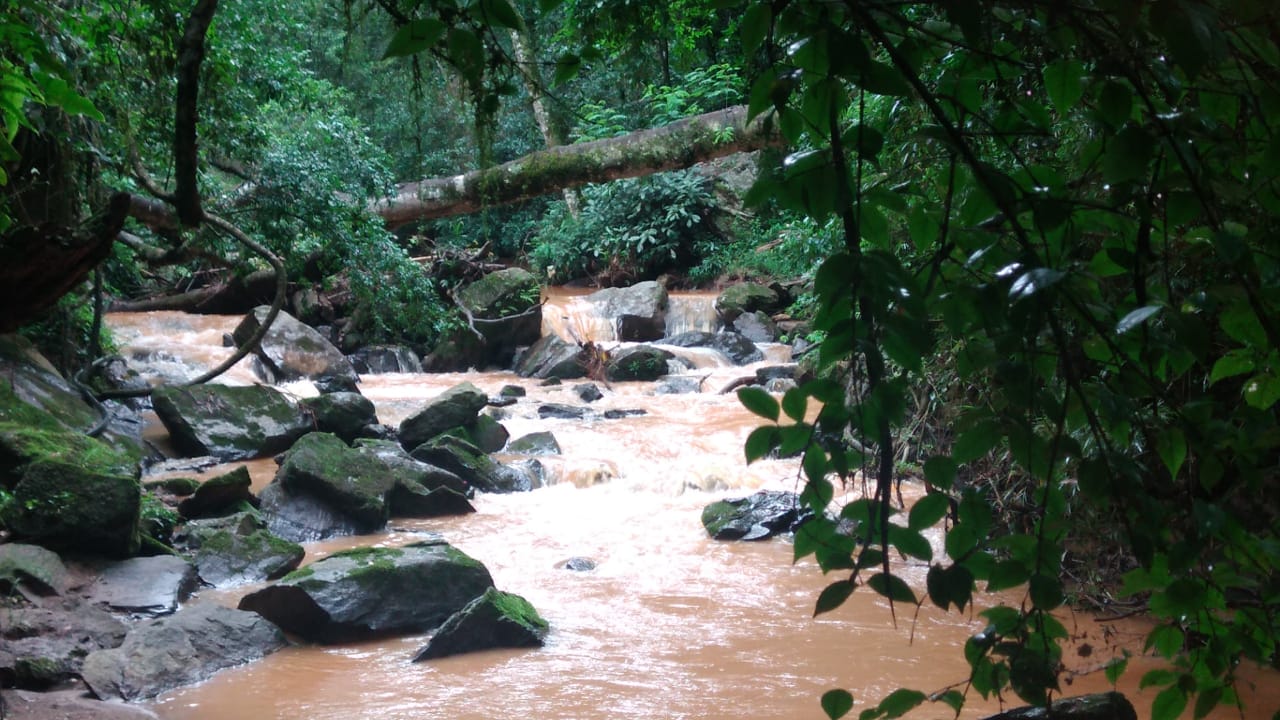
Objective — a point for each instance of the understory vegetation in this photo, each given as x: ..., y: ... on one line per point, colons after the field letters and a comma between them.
x: 1035, y: 243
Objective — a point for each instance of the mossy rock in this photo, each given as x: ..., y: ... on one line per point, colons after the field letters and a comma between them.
x: 29, y: 433
x: 353, y: 483
x: 220, y: 495
x: 238, y: 549
x: 230, y: 423
x: 496, y: 619
x: 66, y: 506
x: 373, y: 592
x: 535, y: 443
x: 345, y: 414
x: 639, y: 362
x: 456, y: 407
x: 501, y: 294
x: 467, y: 462
x: 178, y: 486
x: 487, y: 434
x: 744, y: 298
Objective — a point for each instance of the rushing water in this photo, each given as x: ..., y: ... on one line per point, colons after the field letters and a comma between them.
x: 668, y: 625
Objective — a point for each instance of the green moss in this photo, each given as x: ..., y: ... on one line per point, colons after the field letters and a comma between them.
x: 180, y: 486
x: 297, y: 576
x: 518, y: 609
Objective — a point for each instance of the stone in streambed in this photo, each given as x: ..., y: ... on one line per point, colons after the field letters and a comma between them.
x: 494, y: 620
x: 220, y: 495
x: 292, y: 350
x: 467, y: 462
x: 373, y: 592
x: 230, y: 423
x: 184, y: 648
x: 738, y: 348
x: 145, y: 585
x: 456, y: 407
x: 345, y: 414
x: 639, y: 362
x: 756, y: 517
x: 238, y: 549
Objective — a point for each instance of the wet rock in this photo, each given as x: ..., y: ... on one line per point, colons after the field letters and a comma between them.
x: 73, y: 506
x: 345, y: 414
x: 46, y: 646
x: 774, y: 372
x: 757, y: 327
x: 551, y: 358
x: 487, y: 434
x: 32, y: 569
x: 467, y: 462
x: 176, y: 486
x: 292, y: 350
x: 756, y: 517
x: 372, y: 592
x: 182, y: 465
x: 377, y: 359
x: 496, y: 619
x: 587, y: 392
x: 70, y: 704
x: 746, y: 298
x: 502, y: 401
x: 512, y: 391
x: 639, y: 311
x: 324, y: 489
x: 144, y: 585
x: 560, y: 411
x: 238, y: 549
x: 620, y: 413
x: 1099, y: 706
x: 220, y: 495
x: 677, y: 385
x: 638, y: 362
x: 779, y: 386
x: 735, y: 346
x: 185, y: 648
x: 527, y: 475
x: 535, y: 443
x: 230, y: 423
x: 578, y: 564
x: 505, y: 309
x: 458, y: 406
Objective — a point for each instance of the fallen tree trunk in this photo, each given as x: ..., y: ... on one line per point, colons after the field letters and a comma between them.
x: 239, y: 295
x: 681, y: 144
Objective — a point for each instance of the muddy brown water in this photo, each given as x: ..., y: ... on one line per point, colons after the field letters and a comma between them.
x: 668, y: 625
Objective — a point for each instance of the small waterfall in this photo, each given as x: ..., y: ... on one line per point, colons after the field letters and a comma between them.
x: 570, y: 316
x: 687, y: 312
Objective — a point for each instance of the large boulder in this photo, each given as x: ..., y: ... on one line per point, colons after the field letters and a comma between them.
x: 377, y: 359
x: 535, y: 443
x: 494, y: 620
x: 345, y: 414
x: 373, y: 592
x: 221, y: 495
x: 292, y: 350
x: 552, y: 357
x: 757, y: 327
x: 357, y: 489
x: 71, y: 506
x: 736, y: 347
x: 471, y: 464
x: 230, y: 423
x: 145, y: 586
x: 505, y: 309
x: 184, y: 648
x: 746, y: 297
x: 456, y: 407
x: 39, y: 652
x: 238, y: 549
x: 756, y: 517
x: 69, y: 705
x: 638, y: 362
x: 32, y: 569
x: 639, y: 312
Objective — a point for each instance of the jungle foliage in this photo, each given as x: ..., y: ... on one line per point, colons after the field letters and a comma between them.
x: 1076, y: 204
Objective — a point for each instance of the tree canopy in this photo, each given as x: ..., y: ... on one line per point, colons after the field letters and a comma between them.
x: 1043, y: 231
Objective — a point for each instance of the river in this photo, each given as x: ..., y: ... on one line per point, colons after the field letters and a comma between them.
x: 668, y: 625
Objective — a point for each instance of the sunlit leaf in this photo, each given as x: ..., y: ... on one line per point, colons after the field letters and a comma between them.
x: 1169, y: 704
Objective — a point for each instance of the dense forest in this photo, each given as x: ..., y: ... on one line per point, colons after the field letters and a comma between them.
x: 1035, y: 243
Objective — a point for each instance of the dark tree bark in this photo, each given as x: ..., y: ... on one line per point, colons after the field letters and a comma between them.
x: 186, y: 160
x: 40, y: 264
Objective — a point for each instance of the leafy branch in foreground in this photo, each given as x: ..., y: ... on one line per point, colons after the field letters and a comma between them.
x: 1078, y: 206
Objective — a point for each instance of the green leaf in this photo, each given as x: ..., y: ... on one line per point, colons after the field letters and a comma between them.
x: 1128, y: 155
x: 567, y: 67
x: 1207, y: 700
x: 837, y: 703
x: 928, y: 510
x: 794, y: 403
x: 1235, y: 362
x: 940, y: 472
x: 501, y: 13
x: 1242, y: 325
x: 892, y: 587
x: 1262, y: 391
x: 1172, y: 447
x: 761, y: 442
x: 1062, y: 83
x: 756, y: 22
x: 950, y: 586
x: 467, y: 53
x: 900, y: 702
x: 1116, y: 667
x: 414, y: 37
x: 759, y: 402
x: 1169, y: 704
x: 910, y: 543
x: 1007, y: 574
x: 1046, y: 592
x: 1154, y: 678
x: 953, y: 698
x: 1115, y: 103
x: 1136, y: 318
x: 833, y: 596
x: 975, y: 442
x: 883, y: 79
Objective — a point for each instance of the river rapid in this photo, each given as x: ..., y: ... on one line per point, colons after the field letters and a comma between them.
x: 668, y: 625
